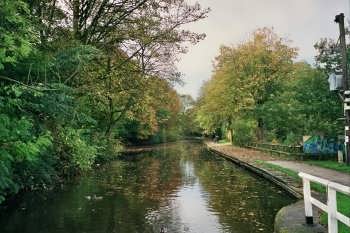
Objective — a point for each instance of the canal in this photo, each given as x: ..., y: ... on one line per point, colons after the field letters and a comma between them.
x: 181, y: 188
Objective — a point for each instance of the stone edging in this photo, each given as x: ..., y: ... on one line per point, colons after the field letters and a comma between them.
x: 265, y: 174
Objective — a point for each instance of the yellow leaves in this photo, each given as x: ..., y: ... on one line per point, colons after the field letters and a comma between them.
x: 245, y: 75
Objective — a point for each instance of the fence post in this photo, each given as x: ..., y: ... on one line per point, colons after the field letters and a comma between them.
x: 307, y: 201
x: 332, y: 211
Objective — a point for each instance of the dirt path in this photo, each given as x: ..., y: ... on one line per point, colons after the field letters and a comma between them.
x: 243, y: 154
x: 325, y: 173
x: 251, y: 156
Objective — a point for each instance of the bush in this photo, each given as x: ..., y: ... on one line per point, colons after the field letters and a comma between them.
x: 108, y: 149
x: 76, y: 154
x: 23, y: 163
x: 26, y: 160
x: 292, y: 139
x: 243, y: 132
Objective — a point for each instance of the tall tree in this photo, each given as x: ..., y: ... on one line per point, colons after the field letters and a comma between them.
x: 245, y: 76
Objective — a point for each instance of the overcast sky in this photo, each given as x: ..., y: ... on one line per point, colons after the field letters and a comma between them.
x: 232, y: 21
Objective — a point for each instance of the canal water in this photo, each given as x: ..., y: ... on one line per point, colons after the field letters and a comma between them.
x: 181, y: 188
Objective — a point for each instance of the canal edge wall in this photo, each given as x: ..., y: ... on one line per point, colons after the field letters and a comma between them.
x: 260, y: 172
x: 289, y: 219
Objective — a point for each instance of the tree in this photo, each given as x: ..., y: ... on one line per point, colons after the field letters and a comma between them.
x: 16, y: 35
x: 244, y: 78
x: 77, y: 77
x: 303, y: 106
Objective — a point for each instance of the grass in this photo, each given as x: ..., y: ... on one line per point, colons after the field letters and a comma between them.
x: 223, y: 141
x: 334, y: 165
x: 274, y: 167
x: 343, y: 201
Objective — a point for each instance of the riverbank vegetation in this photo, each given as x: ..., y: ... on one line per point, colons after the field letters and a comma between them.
x: 79, y: 78
x: 258, y: 92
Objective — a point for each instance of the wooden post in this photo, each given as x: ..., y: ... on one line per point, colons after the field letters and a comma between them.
x: 307, y: 202
x: 332, y: 211
x: 331, y: 207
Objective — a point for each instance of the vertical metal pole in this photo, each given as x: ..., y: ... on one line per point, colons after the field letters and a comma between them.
x: 332, y: 211
x: 307, y: 202
x: 349, y: 12
x: 340, y: 20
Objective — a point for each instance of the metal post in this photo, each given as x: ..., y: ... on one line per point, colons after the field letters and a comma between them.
x: 340, y: 20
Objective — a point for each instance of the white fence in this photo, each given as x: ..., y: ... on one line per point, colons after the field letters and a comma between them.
x: 330, y: 207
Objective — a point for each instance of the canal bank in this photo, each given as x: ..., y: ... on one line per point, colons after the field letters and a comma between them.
x: 289, y: 219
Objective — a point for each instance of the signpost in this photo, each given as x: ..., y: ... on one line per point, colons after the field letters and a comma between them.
x: 346, y: 92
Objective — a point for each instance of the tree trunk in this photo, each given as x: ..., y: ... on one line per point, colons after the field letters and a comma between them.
x: 110, y: 100
x: 76, y: 30
x: 260, y: 130
x: 231, y: 135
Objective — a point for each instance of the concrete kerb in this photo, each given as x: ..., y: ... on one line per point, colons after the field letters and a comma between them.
x: 290, y: 219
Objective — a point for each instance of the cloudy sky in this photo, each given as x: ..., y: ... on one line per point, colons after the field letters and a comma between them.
x: 231, y: 21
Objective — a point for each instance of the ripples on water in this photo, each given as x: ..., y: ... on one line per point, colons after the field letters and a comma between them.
x: 182, y: 188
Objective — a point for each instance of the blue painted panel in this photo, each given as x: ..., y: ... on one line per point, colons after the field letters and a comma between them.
x: 318, y: 145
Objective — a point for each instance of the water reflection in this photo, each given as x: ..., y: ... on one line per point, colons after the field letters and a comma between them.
x: 179, y: 189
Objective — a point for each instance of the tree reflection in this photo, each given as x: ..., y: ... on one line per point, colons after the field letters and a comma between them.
x: 146, y: 192
x: 238, y: 198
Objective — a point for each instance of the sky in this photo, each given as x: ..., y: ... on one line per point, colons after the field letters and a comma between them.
x: 230, y: 22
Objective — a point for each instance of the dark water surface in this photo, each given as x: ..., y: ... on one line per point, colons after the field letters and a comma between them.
x: 183, y: 188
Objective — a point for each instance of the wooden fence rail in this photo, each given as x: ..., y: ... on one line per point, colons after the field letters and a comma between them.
x: 330, y: 207
x: 279, y: 147
x: 295, y: 152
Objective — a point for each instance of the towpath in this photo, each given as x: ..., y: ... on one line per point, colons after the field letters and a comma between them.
x: 325, y: 173
x: 252, y: 156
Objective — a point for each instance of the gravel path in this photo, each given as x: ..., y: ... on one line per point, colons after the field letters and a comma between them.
x: 325, y: 173
x: 251, y: 156
x: 243, y: 154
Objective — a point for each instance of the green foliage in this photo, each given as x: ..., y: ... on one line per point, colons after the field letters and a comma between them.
x: 79, y: 155
x: 343, y: 202
x: 31, y: 138
x: 72, y: 60
x: 258, y: 79
x: 304, y: 106
x: 22, y: 155
x: 15, y: 31
x: 292, y: 139
x: 106, y: 149
x: 71, y: 95
x: 244, y: 78
x: 243, y: 131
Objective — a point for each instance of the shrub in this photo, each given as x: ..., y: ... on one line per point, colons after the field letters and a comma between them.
x: 76, y: 154
x: 243, y: 131
x: 23, y: 163
x: 292, y: 139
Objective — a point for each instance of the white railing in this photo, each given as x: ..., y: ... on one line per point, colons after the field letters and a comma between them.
x: 331, y: 207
